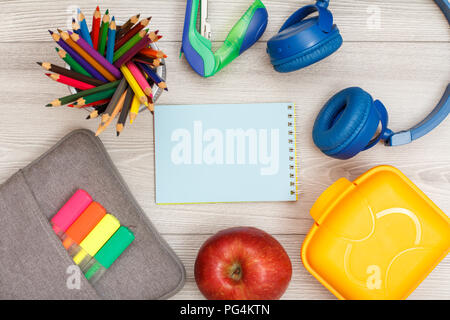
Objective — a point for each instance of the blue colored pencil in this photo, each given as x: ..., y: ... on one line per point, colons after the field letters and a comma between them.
x: 153, y: 75
x: 84, y: 30
x: 111, y: 40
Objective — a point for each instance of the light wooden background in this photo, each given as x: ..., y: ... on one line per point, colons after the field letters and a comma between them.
x: 405, y: 63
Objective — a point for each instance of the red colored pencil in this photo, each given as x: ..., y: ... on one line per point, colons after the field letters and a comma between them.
x: 70, y: 81
x: 92, y: 104
x: 96, y: 27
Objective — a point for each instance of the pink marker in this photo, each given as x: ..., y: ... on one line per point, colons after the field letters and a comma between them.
x: 70, y: 211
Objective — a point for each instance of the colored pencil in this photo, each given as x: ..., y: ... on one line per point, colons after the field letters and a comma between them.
x: 75, y: 66
x: 75, y: 26
x: 133, y: 31
x: 118, y: 107
x: 66, y: 36
x: 89, y: 60
x: 103, y: 33
x: 134, y: 85
x: 96, y: 18
x: 127, y: 25
x: 144, y: 42
x: 70, y: 81
x: 115, y: 98
x: 90, y: 69
x: 130, y: 43
x: 84, y: 31
x: 125, y: 110
x: 140, y: 78
x: 134, y: 109
x: 97, y: 111
x: 86, y: 99
x: 154, y: 76
x: 73, y: 97
x: 97, y: 56
x: 111, y: 40
x: 144, y: 59
x: 152, y: 53
x: 69, y: 73
x: 92, y: 104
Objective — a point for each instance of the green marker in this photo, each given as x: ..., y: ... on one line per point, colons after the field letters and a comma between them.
x: 109, y: 253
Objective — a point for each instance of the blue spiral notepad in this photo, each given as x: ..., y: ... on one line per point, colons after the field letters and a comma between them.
x: 225, y: 153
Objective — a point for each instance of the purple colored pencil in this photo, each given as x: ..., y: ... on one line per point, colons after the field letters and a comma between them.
x: 143, y: 43
x: 77, y: 57
x: 94, y: 54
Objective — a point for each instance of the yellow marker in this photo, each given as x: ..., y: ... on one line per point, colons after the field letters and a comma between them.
x: 97, y: 238
x: 134, y: 85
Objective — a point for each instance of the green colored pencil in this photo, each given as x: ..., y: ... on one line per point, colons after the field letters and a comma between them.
x: 129, y: 44
x: 103, y: 33
x: 94, y: 97
x: 73, y: 97
x: 75, y: 66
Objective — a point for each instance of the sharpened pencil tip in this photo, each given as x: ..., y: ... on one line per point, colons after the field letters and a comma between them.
x: 118, y: 133
x: 48, y: 74
x: 48, y: 105
x: 98, y: 8
x: 39, y: 63
x: 107, y: 11
x: 73, y: 20
x: 113, y: 18
x: 78, y: 10
x: 88, y: 117
x: 50, y: 31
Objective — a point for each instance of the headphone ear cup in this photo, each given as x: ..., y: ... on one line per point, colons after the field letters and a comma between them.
x: 311, y: 55
x: 341, y: 129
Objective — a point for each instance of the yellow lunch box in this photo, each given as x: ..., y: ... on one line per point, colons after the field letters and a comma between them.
x: 377, y: 237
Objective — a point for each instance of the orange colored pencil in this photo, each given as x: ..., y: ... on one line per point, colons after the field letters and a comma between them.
x: 96, y: 27
x: 70, y: 81
x: 116, y: 111
x: 152, y: 53
x: 65, y: 36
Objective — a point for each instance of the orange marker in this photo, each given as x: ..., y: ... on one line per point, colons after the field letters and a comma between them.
x: 84, y: 224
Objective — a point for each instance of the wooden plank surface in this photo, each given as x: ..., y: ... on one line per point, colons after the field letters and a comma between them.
x: 404, y: 64
x: 401, y: 20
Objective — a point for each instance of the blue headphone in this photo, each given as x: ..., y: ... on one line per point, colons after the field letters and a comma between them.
x: 348, y: 122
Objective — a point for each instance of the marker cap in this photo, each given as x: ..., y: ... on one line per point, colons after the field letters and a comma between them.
x: 71, y: 210
x: 109, y: 253
x: 85, y: 223
x: 97, y: 238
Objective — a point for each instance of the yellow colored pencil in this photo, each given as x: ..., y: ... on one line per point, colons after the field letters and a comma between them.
x: 134, y: 85
x: 134, y: 109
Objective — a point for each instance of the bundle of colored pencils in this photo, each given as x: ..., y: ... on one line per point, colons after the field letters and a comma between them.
x: 112, y: 67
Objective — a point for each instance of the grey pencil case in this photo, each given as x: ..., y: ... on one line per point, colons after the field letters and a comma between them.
x: 34, y: 263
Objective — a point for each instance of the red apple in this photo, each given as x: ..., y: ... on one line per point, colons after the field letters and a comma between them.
x: 242, y: 263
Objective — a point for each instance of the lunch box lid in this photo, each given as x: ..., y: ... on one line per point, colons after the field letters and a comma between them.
x: 377, y: 237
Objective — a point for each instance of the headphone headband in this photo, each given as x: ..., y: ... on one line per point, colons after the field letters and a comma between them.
x: 348, y: 122
x: 439, y: 113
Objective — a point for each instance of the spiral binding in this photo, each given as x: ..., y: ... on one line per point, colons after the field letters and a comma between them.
x: 292, y: 153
